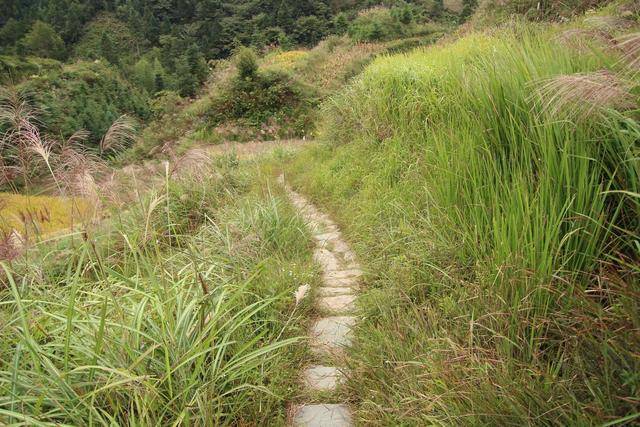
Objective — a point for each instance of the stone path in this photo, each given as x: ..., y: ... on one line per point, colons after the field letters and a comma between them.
x: 331, y: 334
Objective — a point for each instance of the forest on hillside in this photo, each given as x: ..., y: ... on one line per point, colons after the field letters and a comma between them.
x: 82, y: 64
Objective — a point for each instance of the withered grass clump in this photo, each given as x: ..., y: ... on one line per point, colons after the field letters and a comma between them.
x: 581, y: 95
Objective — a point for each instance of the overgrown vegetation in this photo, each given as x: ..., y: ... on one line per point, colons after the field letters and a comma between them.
x: 271, y: 101
x: 180, y: 310
x: 491, y: 186
x: 83, y: 95
x: 155, y: 49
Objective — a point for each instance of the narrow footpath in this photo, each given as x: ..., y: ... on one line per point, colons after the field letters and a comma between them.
x: 330, y: 334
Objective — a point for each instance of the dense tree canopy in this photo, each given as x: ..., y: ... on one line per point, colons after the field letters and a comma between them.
x: 215, y: 26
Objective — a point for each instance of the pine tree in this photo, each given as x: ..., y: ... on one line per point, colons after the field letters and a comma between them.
x: 42, y: 40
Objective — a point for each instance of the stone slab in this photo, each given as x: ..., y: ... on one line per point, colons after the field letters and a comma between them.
x: 337, y: 303
x: 329, y: 291
x: 322, y: 378
x: 327, y: 260
x: 323, y: 415
x: 341, y: 282
x: 329, y: 335
x: 342, y: 274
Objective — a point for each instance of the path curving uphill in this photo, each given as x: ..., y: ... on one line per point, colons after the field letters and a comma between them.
x: 330, y: 334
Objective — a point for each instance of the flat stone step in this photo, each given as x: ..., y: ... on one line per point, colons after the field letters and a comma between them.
x: 322, y: 378
x: 341, y: 282
x: 329, y: 335
x: 326, y: 237
x: 327, y: 260
x: 329, y: 291
x: 341, y: 246
x: 343, y: 274
x: 323, y: 415
x: 337, y: 303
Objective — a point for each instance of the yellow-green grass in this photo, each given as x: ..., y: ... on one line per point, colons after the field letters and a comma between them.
x: 41, y: 215
x: 287, y: 60
x: 501, y: 241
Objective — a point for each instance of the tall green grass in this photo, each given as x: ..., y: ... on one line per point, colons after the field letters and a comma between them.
x: 179, y: 312
x: 500, y: 237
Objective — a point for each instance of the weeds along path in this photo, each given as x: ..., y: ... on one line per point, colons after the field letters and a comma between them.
x: 331, y: 333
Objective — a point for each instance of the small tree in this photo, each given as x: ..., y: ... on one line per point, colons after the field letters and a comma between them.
x: 341, y: 23
x: 42, y: 40
x: 144, y: 75
x: 186, y: 80
x: 159, y: 82
x: 107, y: 48
x: 159, y: 75
x: 247, y: 63
x: 197, y: 64
x: 309, y: 30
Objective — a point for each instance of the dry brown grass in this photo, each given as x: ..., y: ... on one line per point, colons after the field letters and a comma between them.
x: 584, y: 40
x: 629, y: 45
x: 607, y: 23
x: 121, y: 132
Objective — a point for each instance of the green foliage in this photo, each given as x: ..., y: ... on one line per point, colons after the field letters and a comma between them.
x: 217, y: 28
x: 501, y: 237
x: 185, y: 62
x: 150, y: 75
x: 340, y: 23
x: 271, y: 101
x: 247, y: 63
x: 379, y: 23
x: 495, y: 12
x: 142, y: 324
x: 165, y: 102
x: 14, y: 69
x: 42, y: 40
x: 85, y: 95
x: 144, y: 75
x: 10, y: 33
x: 107, y: 37
x: 309, y: 30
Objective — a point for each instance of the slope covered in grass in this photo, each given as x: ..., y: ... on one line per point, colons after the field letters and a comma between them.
x: 491, y: 186
x: 180, y: 310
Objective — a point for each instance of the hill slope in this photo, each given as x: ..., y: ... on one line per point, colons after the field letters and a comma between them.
x: 493, y: 186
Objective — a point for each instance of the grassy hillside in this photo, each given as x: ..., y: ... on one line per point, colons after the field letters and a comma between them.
x: 491, y: 186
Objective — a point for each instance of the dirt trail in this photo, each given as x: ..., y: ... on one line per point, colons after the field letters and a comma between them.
x: 331, y: 334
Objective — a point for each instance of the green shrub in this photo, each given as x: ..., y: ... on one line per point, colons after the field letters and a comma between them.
x: 375, y: 24
x: 165, y: 102
x: 106, y: 37
x: 247, y: 63
x: 42, y: 40
x: 272, y: 99
x: 14, y: 69
x: 309, y: 30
